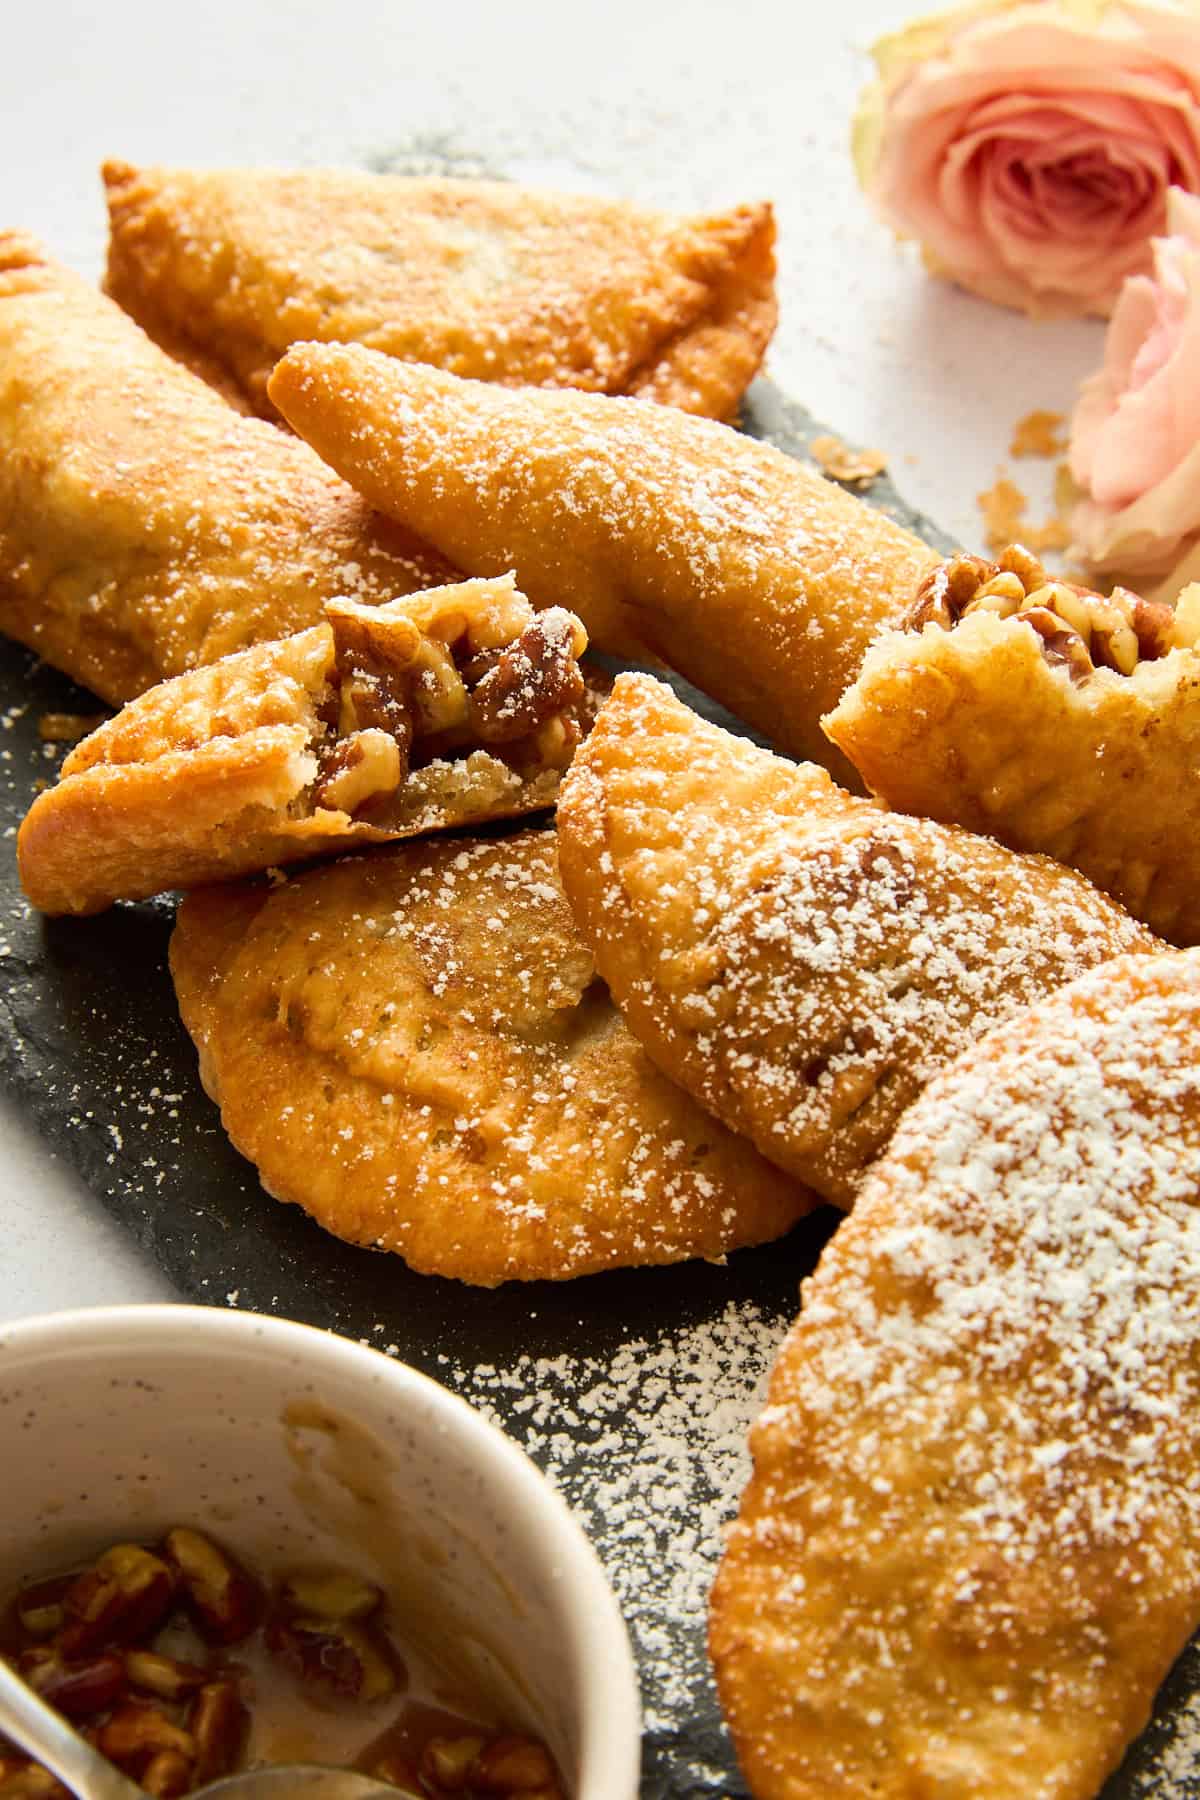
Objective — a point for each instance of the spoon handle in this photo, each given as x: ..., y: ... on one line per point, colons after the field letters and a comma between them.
x: 37, y: 1728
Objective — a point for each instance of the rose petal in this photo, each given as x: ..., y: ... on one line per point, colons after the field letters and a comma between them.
x: 1029, y: 146
x: 1157, y: 418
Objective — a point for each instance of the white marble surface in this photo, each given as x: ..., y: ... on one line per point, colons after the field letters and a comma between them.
x: 687, y: 103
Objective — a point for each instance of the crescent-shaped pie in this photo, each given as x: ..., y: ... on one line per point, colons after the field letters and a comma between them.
x: 145, y: 526
x: 737, y: 565
x: 800, y: 960
x: 970, y: 1550
x: 484, y: 278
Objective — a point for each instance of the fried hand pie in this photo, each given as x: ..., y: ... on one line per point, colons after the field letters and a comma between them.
x: 800, y: 960
x: 1053, y: 718
x: 970, y: 1549
x: 414, y: 1046
x: 146, y: 527
x: 446, y: 708
x: 483, y: 278
x: 737, y: 565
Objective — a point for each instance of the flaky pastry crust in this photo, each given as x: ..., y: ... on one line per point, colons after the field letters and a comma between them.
x: 970, y: 1550
x: 485, y: 279
x: 801, y: 960
x: 414, y: 1046
x: 969, y: 720
x: 146, y: 527
x: 737, y: 565
x: 443, y: 709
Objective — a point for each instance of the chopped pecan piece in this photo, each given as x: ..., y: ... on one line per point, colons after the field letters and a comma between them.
x: 221, y: 1597
x: 333, y: 1653
x: 162, y: 1675
x: 40, y: 1607
x: 218, y: 1722
x: 1059, y: 643
x: 167, y: 1775
x: 533, y: 679
x: 136, y: 1734
x: 90, y: 1685
x: 448, y: 1762
x: 516, y: 1766
x: 125, y: 1596
x: 374, y: 658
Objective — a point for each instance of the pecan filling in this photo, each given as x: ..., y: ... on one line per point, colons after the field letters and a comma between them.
x: 1080, y: 630
x: 402, y: 697
x: 181, y: 1666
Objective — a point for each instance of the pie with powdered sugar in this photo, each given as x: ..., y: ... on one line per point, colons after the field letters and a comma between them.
x: 414, y: 1046
x: 145, y: 526
x: 488, y: 279
x: 800, y: 960
x: 970, y: 1549
x: 733, y: 563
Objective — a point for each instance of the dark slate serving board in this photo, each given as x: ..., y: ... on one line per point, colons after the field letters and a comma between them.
x: 92, y: 1048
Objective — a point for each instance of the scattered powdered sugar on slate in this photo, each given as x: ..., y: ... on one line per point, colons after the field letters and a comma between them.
x: 649, y: 1448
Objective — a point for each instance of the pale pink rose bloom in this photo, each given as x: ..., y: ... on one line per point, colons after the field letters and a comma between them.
x: 1029, y: 144
x: 1135, y: 434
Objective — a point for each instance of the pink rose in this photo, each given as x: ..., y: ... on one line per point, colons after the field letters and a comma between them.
x: 1029, y: 144
x: 1135, y: 435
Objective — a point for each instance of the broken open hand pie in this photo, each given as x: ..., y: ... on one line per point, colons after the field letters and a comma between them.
x: 1050, y: 717
x: 446, y: 708
x: 483, y: 278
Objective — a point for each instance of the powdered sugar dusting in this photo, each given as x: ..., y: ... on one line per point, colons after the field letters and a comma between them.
x: 991, y: 1393
x: 812, y: 959
x: 649, y: 1448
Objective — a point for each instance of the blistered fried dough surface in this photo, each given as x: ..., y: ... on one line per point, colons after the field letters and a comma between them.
x: 485, y: 279
x: 800, y: 960
x: 1049, y: 717
x: 740, y: 567
x: 970, y: 1549
x: 442, y: 709
x: 415, y: 1047
x: 146, y: 527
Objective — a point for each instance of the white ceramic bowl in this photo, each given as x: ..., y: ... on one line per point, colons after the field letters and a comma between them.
x: 293, y: 1446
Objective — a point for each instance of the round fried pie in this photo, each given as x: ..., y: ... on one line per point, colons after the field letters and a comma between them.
x: 414, y: 1046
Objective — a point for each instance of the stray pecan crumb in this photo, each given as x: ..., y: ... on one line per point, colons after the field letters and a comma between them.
x: 841, y: 463
x: 1039, y: 433
x: 1003, y: 507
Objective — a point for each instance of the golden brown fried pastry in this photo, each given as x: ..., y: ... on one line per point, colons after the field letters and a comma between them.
x: 145, y: 527
x: 970, y: 1549
x: 414, y: 1046
x: 740, y: 567
x: 483, y: 278
x: 445, y: 708
x: 800, y: 960
x: 1051, y: 718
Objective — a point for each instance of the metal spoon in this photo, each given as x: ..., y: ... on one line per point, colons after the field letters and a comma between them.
x: 45, y: 1734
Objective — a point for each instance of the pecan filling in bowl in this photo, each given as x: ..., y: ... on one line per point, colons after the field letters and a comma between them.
x: 181, y: 1666
x: 1080, y: 629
